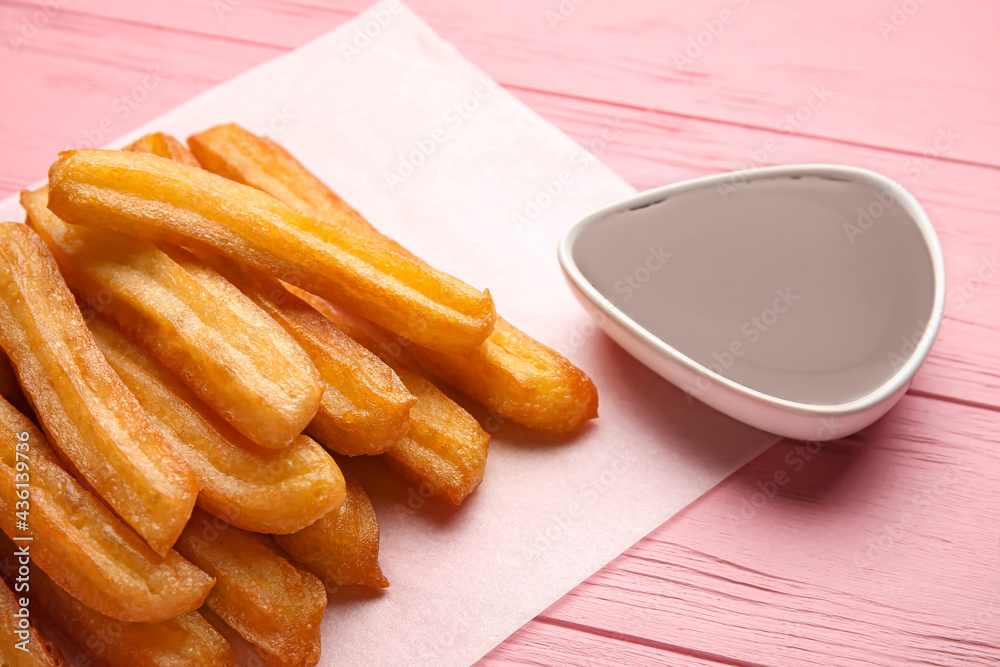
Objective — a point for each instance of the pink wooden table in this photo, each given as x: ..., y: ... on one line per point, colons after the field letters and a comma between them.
x: 883, y: 547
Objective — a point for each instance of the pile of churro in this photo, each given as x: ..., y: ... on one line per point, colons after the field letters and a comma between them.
x: 198, y: 340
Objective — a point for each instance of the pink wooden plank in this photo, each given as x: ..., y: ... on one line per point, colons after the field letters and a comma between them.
x: 757, y: 60
x: 116, y: 75
x: 546, y: 643
x: 877, y: 550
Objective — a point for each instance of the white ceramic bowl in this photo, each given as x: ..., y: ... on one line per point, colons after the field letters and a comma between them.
x: 799, y: 299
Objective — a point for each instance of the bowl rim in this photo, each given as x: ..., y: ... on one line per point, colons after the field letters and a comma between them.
x: 899, y: 380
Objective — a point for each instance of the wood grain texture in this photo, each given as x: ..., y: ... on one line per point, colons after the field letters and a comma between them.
x: 881, y: 548
x: 569, y: 645
x: 740, y: 61
x: 874, y: 551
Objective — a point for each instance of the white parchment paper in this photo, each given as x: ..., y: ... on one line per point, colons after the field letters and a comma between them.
x: 436, y: 154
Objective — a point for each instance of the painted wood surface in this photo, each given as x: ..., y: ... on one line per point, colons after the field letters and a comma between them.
x: 880, y: 548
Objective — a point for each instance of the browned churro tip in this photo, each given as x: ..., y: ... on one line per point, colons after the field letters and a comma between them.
x: 269, y: 601
x: 341, y: 548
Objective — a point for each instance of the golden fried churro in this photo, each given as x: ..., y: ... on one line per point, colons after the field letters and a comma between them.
x: 233, y: 356
x: 167, y: 202
x: 342, y: 547
x: 365, y: 407
x: 517, y: 377
x: 244, y: 157
x: 85, y: 409
x: 184, y: 641
x: 164, y: 145
x: 273, y: 604
x: 445, y: 449
x: 21, y: 643
x: 257, y: 489
x: 79, y: 542
x: 511, y: 373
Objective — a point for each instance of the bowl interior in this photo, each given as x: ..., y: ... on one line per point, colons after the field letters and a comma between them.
x: 811, y: 288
